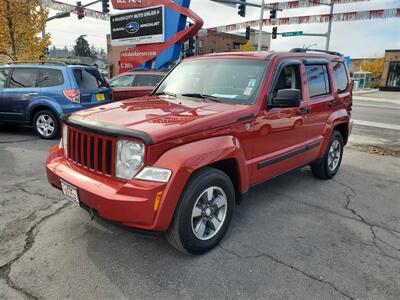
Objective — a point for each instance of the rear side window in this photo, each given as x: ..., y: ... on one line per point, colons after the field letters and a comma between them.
x: 123, y: 81
x: 3, y: 77
x: 318, y: 80
x: 147, y: 79
x: 24, y: 78
x: 88, y: 78
x: 50, y: 77
x: 339, y: 76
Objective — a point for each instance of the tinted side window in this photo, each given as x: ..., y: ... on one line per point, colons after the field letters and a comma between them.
x: 147, y: 79
x: 318, y: 80
x: 50, y: 77
x: 24, y: 78
x: 88, y: 78
x: 3, y: 77
x: 339, y: 76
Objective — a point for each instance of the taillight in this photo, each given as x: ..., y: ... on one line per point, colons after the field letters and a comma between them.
x: 73, y: 95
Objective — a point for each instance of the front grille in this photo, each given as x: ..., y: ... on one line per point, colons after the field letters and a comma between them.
x: 91, y: 151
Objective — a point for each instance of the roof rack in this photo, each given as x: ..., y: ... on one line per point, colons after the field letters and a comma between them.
x: 57, y: 63
x: 316, y: 50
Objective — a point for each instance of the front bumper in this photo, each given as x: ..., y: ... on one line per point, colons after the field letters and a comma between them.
x: 130, y: 203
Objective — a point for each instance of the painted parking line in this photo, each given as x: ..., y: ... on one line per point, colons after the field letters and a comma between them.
x: 377, y: 106
x: 377, y: 124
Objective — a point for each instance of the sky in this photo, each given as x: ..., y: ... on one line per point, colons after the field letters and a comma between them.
x: 359, y: 39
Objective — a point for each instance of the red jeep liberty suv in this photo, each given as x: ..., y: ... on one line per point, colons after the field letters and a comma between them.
x: 177, y: 161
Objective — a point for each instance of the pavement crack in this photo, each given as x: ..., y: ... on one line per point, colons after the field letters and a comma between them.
x: 29, y: 241
x: 292, y: 267
x: 21, y: 188
x: 375, y: 239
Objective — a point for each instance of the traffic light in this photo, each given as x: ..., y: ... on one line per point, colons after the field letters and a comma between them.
x: 106, y: 6
x: 80, y: 11
x: 242, y: 9
x: 247, y: 32
x: 274, y: 32
x: 272, y: 14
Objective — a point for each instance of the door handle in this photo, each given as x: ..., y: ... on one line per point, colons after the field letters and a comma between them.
x: 332, y: 103
x: 304, y: 110
x: 32, y: 94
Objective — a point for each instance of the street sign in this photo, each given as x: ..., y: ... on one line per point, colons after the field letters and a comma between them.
x: 292, y: 33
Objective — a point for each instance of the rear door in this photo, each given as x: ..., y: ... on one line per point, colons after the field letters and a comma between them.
x: 94, y: 89
x: 22, y: 88
x: 320, y: 99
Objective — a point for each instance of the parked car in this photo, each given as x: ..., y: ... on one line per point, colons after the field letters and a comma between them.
x: 135, y: 84
x: 179, y: 160
x: 39, y: 93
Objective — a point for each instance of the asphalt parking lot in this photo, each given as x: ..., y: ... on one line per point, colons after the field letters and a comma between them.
x: 295, y: 237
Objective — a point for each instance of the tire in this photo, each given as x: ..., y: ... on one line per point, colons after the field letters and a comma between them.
x: 327, y: 166
x: 194, y: 213
x: 46, y: 125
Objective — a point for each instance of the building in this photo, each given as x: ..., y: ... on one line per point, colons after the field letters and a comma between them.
x: 113, y: 55
x: 391, y: 71
x: 215, y: 42
x: 265, y: 39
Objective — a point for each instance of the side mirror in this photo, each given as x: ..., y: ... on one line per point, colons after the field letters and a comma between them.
x: 287, y: 98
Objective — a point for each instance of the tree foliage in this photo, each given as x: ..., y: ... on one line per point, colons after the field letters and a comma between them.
x: 247, y: 47
x: 21, y: 24
x: 82, y: 47
x: 375, y: 66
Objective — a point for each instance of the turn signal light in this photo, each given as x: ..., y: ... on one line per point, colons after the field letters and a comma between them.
x: 157, y: 200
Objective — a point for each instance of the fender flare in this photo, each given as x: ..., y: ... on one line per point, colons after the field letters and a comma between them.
x: 43, y: 102
x: 184, y: 160
x: 336, y: 118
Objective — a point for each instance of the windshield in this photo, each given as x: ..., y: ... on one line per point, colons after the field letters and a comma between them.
x: 235, y: 81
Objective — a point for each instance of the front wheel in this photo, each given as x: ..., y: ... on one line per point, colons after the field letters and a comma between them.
x: 204, y: 212
x: 327, y: 166
x: 46, y: 125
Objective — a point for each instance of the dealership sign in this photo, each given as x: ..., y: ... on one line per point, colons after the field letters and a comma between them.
x: 144, y: 26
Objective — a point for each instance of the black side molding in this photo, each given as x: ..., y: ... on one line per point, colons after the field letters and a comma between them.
x: 246, y: 118
x: 271, y: 161
x: 105, y: 128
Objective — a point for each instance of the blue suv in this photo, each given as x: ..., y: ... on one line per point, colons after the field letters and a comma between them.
x: 39, y: 93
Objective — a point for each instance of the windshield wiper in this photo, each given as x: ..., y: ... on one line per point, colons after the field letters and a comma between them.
x: 165, y: 93
x: 202, y: 96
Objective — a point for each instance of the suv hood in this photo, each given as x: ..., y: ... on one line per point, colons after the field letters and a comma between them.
x: 162, y: 118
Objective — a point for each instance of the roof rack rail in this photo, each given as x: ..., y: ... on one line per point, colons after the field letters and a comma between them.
x: 316, y: 50
x: 35, y: 62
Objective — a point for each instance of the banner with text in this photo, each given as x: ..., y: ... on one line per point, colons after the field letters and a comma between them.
x: 144, y: 26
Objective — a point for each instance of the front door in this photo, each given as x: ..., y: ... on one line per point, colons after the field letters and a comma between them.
x: 22, y: 88
x: 280, y: 132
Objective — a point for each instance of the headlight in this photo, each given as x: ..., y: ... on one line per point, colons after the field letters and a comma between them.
x: 129, y: 158
x: 154, y: 174
x: 64, y: 139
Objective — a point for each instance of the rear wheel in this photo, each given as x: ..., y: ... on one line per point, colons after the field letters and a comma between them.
x: 46, y: 125
x: 204, y: 212
x: 329, y: 164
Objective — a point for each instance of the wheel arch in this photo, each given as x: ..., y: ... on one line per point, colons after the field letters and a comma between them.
x: 223, y: 153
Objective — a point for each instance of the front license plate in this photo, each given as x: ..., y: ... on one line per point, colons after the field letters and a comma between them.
x: 70, y: 192
x: 100, y: 97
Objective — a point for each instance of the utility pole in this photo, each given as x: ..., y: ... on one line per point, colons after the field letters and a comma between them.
x: 328, y: 34
x: 260, y: 27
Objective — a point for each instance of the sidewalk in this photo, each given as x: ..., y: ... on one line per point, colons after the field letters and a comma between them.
x: 378, y: 96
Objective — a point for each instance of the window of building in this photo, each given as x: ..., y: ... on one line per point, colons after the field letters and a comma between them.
x: 394, y: 74
x: 50, y: 77
x: 24, y: 78
x: 340, y: 77
x: 318, y: 80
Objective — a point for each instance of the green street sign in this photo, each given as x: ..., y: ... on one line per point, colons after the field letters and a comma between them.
x: 292, y: 33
